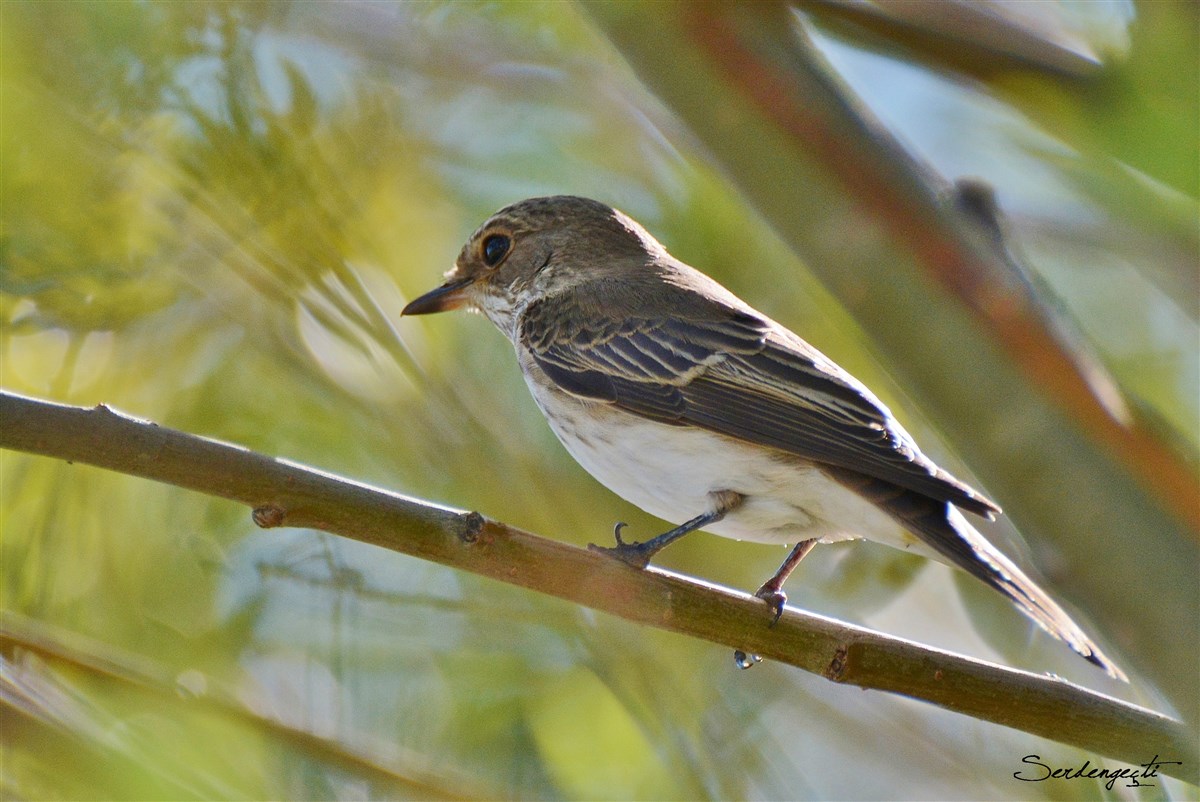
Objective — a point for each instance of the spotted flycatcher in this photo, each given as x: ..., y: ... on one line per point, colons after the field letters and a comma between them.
x: 684, y: 400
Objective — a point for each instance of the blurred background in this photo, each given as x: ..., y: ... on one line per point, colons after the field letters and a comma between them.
x: 213, y: 212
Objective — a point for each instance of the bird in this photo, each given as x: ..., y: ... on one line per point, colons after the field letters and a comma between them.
x: 695, y: 407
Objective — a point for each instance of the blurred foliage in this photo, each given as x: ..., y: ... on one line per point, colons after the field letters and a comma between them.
x: 211, y: 214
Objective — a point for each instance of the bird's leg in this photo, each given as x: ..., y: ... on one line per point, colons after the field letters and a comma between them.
x: 639, y: 554
x: 772, y: 593
x: 772, y: 590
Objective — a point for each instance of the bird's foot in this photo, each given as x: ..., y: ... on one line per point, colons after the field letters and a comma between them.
x: 636, y: 554
x: 772, y: 590
x: 775, y: 599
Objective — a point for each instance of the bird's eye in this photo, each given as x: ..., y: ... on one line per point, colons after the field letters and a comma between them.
x: 495, y: 248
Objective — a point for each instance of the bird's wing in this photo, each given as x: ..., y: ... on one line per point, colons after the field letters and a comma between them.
x: 740, y: 375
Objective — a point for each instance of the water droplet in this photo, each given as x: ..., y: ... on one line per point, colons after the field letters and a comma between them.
x: 743, y: 660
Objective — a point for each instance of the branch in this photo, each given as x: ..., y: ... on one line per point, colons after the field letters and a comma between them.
x: 285, y: 494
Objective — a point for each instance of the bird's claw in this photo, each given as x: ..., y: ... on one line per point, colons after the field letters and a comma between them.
x: 775, y: 599
x: 634, y: 554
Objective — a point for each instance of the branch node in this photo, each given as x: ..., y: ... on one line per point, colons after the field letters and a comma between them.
x: 468, y: 526
x: 837, y: 666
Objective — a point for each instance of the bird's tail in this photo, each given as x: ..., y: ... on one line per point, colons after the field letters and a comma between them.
x: 942, y: 527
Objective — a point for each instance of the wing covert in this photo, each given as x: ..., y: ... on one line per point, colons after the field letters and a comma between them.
x: 739, y: 375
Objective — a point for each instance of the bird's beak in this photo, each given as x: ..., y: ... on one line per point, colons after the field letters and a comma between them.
x: 446, y: 297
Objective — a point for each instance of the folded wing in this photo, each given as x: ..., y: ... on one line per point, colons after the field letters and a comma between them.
x: 733, y: 372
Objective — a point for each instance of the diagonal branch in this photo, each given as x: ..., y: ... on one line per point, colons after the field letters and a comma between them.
x: 286, y: 494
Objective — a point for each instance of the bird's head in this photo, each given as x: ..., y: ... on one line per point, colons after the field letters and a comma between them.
x: 539, y: 247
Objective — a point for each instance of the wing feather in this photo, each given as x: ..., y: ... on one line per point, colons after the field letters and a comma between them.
x: 742, y: 376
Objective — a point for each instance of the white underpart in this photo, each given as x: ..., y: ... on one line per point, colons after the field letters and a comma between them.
x: 675, y: 472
